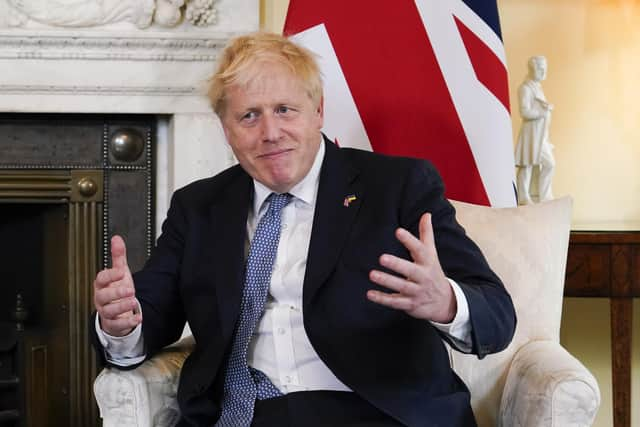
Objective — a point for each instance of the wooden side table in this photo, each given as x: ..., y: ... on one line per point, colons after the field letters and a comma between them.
x: 607, y: 265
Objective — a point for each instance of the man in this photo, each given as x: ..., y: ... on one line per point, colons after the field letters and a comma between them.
x: 310, y: 298
x: 533, y: 148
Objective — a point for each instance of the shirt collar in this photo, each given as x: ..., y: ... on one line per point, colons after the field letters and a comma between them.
x: 306, y: 190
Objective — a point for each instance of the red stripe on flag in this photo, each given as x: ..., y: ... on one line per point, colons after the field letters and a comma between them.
x: 490, y: 71
x: 397, y: 85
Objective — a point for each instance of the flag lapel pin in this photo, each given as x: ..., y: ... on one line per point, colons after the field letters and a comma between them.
x: 348, y: 200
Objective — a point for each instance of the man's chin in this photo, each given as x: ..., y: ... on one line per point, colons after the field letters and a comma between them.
x: 278, y: 184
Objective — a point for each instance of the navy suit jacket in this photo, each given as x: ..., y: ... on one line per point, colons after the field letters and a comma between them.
x: 394, y: 361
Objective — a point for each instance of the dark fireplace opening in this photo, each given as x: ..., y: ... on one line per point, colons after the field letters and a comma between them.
x: 34, y: 271
x: 23, y: 255
x: 68, y: 182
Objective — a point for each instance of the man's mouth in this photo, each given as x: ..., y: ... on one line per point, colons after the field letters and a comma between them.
x: 275, y: 153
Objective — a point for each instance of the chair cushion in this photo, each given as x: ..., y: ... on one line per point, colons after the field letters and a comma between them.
x: 527, y: 247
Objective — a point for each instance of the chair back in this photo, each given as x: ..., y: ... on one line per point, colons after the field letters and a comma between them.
x: 527, y: 247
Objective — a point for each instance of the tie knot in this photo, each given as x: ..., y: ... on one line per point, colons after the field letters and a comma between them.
x: 278, y: 201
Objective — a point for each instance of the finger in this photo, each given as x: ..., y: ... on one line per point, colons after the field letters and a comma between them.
x: 116, y: 309
x: 416, y: 248
x: 111, y: 294
x: 121, y: 326
x: 427, y: 237
x: 397, y: 301
x: 403, y: 267
x: 118, y: 252
x: 394, y: 283
x: 425, y: 229
x: 107, y: 277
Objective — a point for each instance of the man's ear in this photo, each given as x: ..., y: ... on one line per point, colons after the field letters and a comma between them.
x: 226, y: 137
x: 225, y: 129
x: 320, y: 110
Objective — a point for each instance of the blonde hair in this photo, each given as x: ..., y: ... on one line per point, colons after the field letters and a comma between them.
x: 239, y: 63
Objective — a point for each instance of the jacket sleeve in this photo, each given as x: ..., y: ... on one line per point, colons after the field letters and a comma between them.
x: 491, y: 310
x: 157, y: 284
x: 157, y: 291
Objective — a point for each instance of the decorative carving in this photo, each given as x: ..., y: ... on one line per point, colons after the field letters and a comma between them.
x: 16, y: 18
x: 87, y: 13
x: 168, y: 12
x: 97, y: 90
x: 119, y: 399
x: 93, y: 13
x: 201, y: 12
x: 105, y: 48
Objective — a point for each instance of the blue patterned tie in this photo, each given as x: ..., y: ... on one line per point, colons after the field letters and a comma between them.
x: 243, y: 384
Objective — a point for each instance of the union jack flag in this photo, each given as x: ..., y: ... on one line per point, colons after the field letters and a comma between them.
x: 419, y: 78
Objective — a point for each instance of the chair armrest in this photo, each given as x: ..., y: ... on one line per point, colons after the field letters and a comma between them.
x: 145, y: 396
x: 547, y: 386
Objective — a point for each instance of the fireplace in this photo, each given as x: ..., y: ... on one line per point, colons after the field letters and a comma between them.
x: 109, y: 71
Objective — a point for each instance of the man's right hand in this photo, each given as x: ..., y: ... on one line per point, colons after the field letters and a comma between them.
x: 114, y: 294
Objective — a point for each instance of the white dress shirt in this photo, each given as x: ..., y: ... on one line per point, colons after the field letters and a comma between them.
x: 280, y: 346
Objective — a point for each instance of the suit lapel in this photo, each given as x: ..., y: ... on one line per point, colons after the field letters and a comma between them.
x: 335, y: 211
x: 229, y: 218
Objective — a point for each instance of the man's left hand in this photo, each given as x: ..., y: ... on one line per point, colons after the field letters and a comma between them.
x: 422, y: 290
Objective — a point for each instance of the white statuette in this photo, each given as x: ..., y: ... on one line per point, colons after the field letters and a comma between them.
x: 534, y: 148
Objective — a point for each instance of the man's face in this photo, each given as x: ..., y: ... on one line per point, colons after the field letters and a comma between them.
x: 273, y: 127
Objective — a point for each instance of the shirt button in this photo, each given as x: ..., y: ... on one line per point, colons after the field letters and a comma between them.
x: 287, y: 379
x: 284, y: 226
x: 281, y: 331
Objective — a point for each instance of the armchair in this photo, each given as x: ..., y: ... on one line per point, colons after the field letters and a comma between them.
x: 534, y: 382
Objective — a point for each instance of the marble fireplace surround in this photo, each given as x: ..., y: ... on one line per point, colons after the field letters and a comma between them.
x: 126, y: 57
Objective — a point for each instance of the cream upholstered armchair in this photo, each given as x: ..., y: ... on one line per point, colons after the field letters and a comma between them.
x: 534, y: 382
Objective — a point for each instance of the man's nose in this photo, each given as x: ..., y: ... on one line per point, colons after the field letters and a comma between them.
x: 270, y: 128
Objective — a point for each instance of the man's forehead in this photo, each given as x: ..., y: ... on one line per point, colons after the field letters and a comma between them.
x: 267, y: 86
x: 261, y: 70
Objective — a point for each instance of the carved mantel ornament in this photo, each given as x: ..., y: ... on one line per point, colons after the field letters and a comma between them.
x: 93, y: 13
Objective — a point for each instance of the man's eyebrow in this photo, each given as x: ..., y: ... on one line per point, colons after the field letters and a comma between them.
x: 248, y: 109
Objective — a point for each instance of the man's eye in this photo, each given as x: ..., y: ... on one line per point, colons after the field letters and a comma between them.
x: 251, y: 115
x: 282, y: 109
